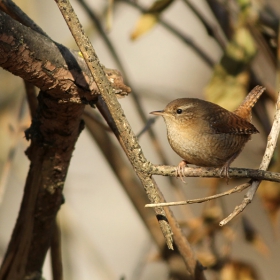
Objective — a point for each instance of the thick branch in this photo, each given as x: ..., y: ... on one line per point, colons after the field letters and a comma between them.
x: 53, y: 133
x: 50, y: 66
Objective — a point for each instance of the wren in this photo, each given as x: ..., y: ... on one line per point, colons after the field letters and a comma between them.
x: 205, y: 134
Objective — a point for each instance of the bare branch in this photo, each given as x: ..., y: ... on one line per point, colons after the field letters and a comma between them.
x: 211, y: 172
x: 124, y: 132
x: 270, y: 146
x: 48, y: 65
x: 200, y: 200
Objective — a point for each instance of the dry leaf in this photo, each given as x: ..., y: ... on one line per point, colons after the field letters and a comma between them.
x: 237, y: 270
x: 144, y: 24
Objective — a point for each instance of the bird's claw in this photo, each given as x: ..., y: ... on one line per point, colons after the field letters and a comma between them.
x: 224, y: 172
x: 180, y: 170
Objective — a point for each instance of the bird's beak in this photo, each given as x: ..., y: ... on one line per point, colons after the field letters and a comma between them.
x: 157, y: 113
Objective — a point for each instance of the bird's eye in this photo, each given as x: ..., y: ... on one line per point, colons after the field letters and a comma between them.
x: 179, y: 111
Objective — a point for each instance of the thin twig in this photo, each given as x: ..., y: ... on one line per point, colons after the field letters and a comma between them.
x: 203, y: 199
x: 270, y: 147
x: 147, y: 127
x: 210, y: 28
x: 94, y: 117
x: 123, y: 130
x: 239, y: 208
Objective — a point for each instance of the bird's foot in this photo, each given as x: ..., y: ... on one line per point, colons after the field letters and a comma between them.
x: 180, y: 170
x: 224, y: 172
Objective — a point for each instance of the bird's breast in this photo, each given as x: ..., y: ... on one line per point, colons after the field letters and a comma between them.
x: 204, y: 148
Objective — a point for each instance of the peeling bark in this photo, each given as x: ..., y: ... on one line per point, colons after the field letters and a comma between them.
x: 50, y: 66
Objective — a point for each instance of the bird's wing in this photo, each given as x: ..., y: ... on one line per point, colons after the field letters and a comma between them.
x: 227, y: 122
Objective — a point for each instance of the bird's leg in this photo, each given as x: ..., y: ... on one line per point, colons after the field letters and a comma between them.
x: 225, y: 167
x: 180, y: 170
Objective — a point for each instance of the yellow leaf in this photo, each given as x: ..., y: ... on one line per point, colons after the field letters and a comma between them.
x: 144, y: 24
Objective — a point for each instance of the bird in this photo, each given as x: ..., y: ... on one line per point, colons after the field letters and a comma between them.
x: 205, y: 134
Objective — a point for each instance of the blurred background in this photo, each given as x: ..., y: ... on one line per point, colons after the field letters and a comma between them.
x: 214, y: 50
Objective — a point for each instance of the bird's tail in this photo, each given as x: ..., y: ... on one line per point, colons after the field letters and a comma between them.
x: 245, y: 108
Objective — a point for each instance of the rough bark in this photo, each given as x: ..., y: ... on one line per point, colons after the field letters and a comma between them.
x: 53, y: 134
x: 50, y: 66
